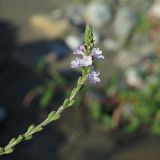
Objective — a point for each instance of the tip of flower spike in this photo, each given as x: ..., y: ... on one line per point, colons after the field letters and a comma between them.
x: 88, y: 38
x: 88, y: 27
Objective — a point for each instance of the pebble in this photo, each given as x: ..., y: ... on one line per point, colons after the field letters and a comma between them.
x: 155, y: 9
x: 133, y: 78
x: 124, y: 23
x: 124, y: 59
x: 72, y: 41
x: 98, y: 14
x: 75, y: 14
x: 140, y: 5
x: 50, y: 27
x: 110, y: 44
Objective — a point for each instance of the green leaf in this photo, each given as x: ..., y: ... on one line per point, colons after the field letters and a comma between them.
x: 59, y: 80
x: 38, y: 129
x: 144, y: 24
x: 134, y: 125
x: 71, y: 103
x: 9, y: 150
x: 73, y: 92
x: 66, y: 102
x: 53, y: 116
x: 12, y: 141
x: 20, y: 137
x: 30, y: 129
x: 79, y: 80
x: 107, y: 121
x: 56, y: 116
x: 1, y: 150
x: 28, y: 137
x: 95, y: 110
x: 155, y: 128
x: 83, y: 71
x: 46, y: 98
x: 41, y: 65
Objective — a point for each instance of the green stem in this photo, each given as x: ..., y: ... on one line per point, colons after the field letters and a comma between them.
x: 53, y: 116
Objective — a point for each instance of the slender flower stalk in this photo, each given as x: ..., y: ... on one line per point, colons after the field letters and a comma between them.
x: 88, y: 53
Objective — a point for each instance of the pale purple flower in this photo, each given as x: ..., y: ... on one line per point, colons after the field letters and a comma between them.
x: 80, y: 50
x: 93, y: 77
x: 86, y: 61
x: 97, y: 53
x: 75, y: 63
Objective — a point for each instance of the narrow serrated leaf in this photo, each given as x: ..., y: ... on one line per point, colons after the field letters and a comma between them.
x: 28, y: 137
x: 1, y: 150
x: 20, y: 137
x: 71, y: 103
x: 46, y: 98
x: 9, y: 150
x: 73, y: 92
x: 79, y: 80
x: 38, y: 129
x: 30, y: 129
x: 56, y: 116
x: 65, y: 102
x: 12, y: 140
x: 51, y: 115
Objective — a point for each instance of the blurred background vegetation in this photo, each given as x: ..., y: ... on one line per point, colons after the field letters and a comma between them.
x: 118, y: 119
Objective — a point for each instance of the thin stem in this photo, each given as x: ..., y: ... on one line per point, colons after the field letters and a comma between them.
x: 53, y: 116
x: 68, y: 102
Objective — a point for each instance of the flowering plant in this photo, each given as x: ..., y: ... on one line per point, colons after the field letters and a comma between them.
x: 87, y: 60
x: 88, y: 53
